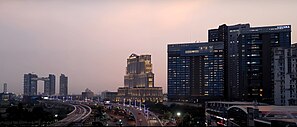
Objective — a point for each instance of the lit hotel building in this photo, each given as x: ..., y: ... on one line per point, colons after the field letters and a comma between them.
x: 139, y: 81
x: 248, y: 59
x: 195, y: 71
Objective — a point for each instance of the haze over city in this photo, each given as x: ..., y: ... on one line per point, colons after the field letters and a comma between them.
x: 89, y: 41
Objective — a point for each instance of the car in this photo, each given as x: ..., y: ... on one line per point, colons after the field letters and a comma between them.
x: 115, y: 120
x: 120, y: 122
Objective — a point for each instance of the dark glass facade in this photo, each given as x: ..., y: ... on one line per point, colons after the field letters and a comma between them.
x: 229, y: 35
x: 256, y: 55
x: 248, y: 57
x: 195, y: 71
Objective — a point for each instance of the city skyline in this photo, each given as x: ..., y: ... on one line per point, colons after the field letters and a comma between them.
x: 89, y: 40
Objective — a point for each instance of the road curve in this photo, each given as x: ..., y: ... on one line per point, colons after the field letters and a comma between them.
x: 139, y: 115
x: 80, y: 113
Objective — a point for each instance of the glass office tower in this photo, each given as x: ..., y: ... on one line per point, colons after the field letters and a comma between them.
x: 195, y: 71
x: 247, y: 55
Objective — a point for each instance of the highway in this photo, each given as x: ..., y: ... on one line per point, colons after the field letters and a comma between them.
x: 153, y: 120
x: 140, y: 117
x: 80, y: 113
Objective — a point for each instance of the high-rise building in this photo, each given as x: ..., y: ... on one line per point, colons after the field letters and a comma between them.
x: 255, y: 60
x: 30, y: 84
x: 139, y: 71
x: 63, y: 85
x: 5, y: 88
x: 248, y: 52
x: 285, y: 75
x: 49, y: 84
x: 229, y: 35
x: 139, y: 81
x: 195, y: 71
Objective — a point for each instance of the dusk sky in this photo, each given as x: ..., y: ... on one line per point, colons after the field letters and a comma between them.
x: 89, y: 41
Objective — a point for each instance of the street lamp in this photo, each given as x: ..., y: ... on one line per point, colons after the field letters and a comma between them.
x: 178, y: 114
x: 179, y: 119
x: 56, y: 117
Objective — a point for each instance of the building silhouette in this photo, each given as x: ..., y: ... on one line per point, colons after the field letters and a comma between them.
x: 87, y: 94
x: 229, y: 35
x: 30, y: 84
x: 5, y: 88
x: 63, y: 85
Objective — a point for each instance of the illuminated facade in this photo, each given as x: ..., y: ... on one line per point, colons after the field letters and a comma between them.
x: 229, y: 35
x: 256, y: 45
x: 152, y: 94
x: 139, y: 71
x: 247, y: 56
x: 139, y: 81
x: 195, y: 71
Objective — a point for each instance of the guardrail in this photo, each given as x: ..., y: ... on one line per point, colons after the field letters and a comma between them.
x: 88, y: 114
x: 73, y: 110
x: 153, y: 114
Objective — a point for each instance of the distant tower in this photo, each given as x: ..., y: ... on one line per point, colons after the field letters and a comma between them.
x: 30, y: 84
x: 63, y: 85
x: 49, y: 84
x: 5, y: 88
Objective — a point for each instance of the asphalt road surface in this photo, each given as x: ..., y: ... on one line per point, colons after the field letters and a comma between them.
x: 138, y: 114
x: 78, y: 115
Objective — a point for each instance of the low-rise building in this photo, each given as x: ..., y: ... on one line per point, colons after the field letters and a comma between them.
x: 152, y: 94
x: 262, y: 116
x: 249, y: 114
x: 107, y: 95
x: 87, y: 95
x: 216, y: 112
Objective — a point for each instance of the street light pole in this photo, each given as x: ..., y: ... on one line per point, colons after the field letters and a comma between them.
x: 144, y: 108
x: 124, y: 101
x: 129, y: 102
x: 140, y: 105
x: 147, y: 113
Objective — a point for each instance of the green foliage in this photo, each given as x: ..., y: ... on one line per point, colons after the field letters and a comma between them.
x: 191, y: 116
x: 19, y: 113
